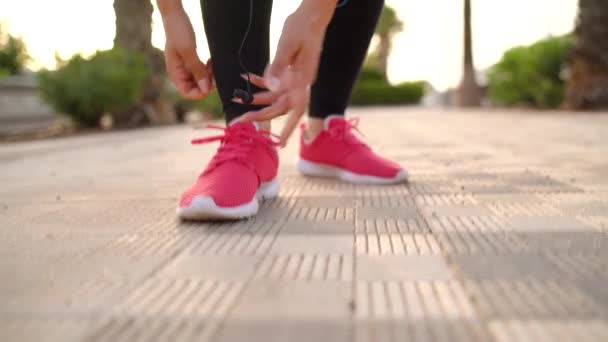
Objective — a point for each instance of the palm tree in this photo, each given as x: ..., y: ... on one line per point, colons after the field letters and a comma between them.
x: 388, y: 25
x: 587, y: 84
x: 134, y: 33
x: 469, y: 94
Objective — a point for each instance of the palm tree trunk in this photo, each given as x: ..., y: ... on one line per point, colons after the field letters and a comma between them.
x: 134, y: 33
x: 468, y: 93
x: 587, y: 84
x: 384, y: 49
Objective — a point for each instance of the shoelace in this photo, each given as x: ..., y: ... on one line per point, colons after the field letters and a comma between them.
x: 345, y: 132
x: 236, y: 144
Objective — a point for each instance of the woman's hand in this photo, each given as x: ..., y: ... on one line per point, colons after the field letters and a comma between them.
x: 294, y: 68
x: 192, y: 78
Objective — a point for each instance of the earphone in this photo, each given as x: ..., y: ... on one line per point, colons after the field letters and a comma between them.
x: 246, y: 95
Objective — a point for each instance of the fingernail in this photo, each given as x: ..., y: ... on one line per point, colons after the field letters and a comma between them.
x: 244, y: 76
x: 273, y: 83
x: 204, y: 86
x: 237, y: 100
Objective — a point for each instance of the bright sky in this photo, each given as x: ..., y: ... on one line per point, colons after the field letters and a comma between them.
x: 430, y: 47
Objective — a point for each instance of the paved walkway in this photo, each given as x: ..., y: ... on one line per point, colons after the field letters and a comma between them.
x: 501, y: 235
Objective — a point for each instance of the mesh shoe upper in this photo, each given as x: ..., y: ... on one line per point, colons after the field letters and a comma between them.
x: 338, y: 146
x: 246, y: 158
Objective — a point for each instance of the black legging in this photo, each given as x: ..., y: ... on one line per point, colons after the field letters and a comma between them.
x: 344, y: 49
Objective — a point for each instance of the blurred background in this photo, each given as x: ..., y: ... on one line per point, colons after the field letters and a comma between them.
x: 69, y: 65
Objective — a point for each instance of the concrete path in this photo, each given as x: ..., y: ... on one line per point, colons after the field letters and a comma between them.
x: 501, y: 235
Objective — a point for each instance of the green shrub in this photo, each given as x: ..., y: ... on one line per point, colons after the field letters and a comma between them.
x: 369, y: 73
x: 212, y: 104
x: 530, y: 75
x: 382, y: 93
x: 85, y: 89
x: 13, y: 54
x: 372, y: 89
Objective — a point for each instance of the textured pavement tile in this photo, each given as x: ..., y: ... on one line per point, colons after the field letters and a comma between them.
x: 321, y: 243
x: 412, y: 300
x: 294, y: 300
x: 180, y: 298
x: 456, y: 210
x: 56, y: 298
x: 596, y: 289
x: 393, y: 226
x: 512, y: 266
x: 212, y: 267
x: 145, y: 329
x: 251, y: 239
x: 302, y: 227
x: 564, y: 242
x: 474, y: 235
x: 531, y: 299
x: 44, y: 329
x: 547, y: 224
x: 397, y: 244
x: 384, y: 201
x: 488, y: 189
x: 280, y: 330
x: 433, y: 187
x: 306, y: 267
x: 549, y: 330
x: 325, y: 202
x: 411, y: 267
x: 405, y: 213
x: 420, y: 330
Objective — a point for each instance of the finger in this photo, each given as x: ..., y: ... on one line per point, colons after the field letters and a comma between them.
x: 261, y: 98
x: 286, y: 51
x: 198, y: 69
x: 277, y: 109
x: 256, y: 80
x: 185, y: 87
x: 194, y: 93
x: 185, y: 84
x: 292, y: 121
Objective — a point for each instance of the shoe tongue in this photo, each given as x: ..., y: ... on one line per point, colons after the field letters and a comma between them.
x: 334, y: 121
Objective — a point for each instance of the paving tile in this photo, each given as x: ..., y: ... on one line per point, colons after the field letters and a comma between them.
x: 279, y: 330
x: 410, y: 267
x: 526, y: 299
x: 44, y: 329
x: 547, y: 224
x: 456, y: 210
x: 420, y: 330
x: 549, y: 330
x: 408, y: 212
x: 512, y: 266
x: 306, y: 267
x: 294, y: 300
x: 303, y: 227
x: 144, y: 329
x: 180, y: 298
x: 212, y: 267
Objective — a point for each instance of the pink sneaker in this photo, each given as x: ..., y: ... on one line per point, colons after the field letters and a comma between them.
x: 336, y: 152
x: 243, y: 171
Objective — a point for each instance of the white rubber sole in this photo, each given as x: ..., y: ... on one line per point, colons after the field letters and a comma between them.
x: 203, y: 208
x: 311, y: 169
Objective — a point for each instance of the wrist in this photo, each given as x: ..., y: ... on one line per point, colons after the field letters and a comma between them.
x: 319, y: 11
